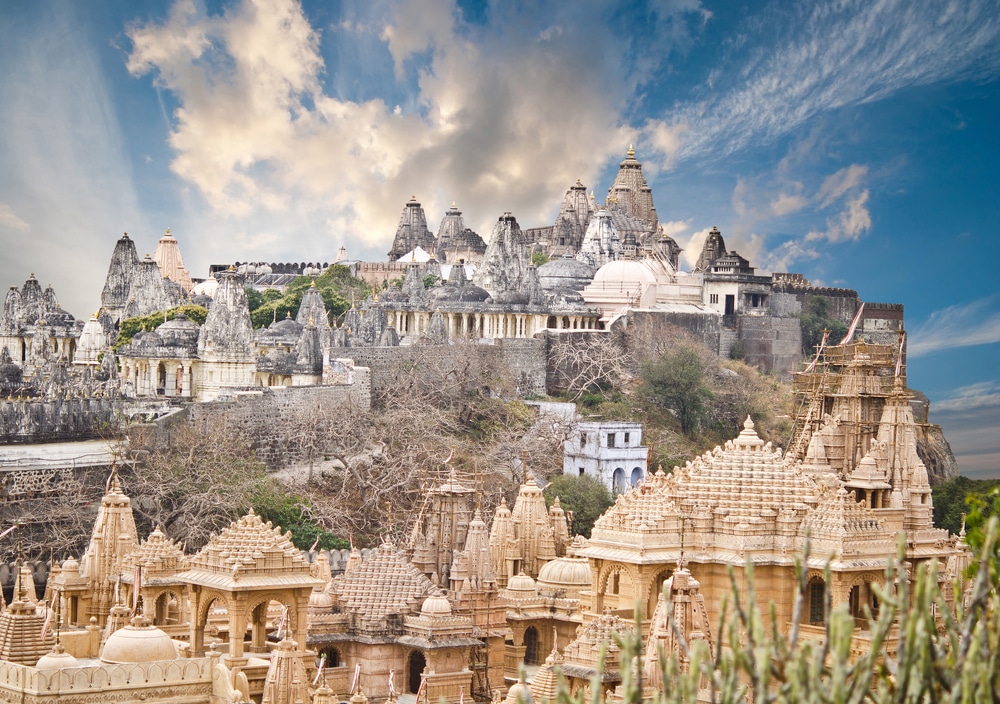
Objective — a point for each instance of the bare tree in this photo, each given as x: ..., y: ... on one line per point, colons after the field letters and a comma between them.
x: 204, y: 479
x: 590, y: 363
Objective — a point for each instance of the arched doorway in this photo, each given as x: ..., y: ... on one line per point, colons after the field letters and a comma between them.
x: 619, y: 484
x: 332, y: 656
x: 531, y: 646
x: 416, y: 665
x: 637, y: 476
x: 161, y: 378
x: 166, y: 611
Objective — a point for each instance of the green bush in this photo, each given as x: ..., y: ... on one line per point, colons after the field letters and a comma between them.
x: 585, y: 496
x: 130, y: 327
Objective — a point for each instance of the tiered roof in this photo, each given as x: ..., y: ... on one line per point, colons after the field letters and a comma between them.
x: 385, y: 584
x: 584, y: 652
x: 250, y: 554
x: 158, y: 555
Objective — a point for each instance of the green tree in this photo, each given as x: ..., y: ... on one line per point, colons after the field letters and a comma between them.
x: 677, y: 383
x: 539, y: 258
x: 336, y: 286
x: 130, y: 327
x: 816, y: 318
x: 585, y: 496
x: 953, y: 498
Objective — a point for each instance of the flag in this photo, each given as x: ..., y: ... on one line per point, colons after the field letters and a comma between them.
x: 313, y: 548
x: 854, y: 326
x: 136, y: 586
x: 899, y: 355
x: 322, y: 666
x: 281, y: 624
x: 357, y: 675
x: 461, y: 695
x: 48, y: 620
x: 819, y: 351
x: 392, y: 690
x: 420, y: 689
x: 8, y: 531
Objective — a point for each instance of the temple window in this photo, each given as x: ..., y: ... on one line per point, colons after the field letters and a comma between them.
x: 817, y: 602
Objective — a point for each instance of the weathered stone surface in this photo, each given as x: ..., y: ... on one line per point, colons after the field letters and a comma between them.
x: 228, y: 330
x: 601, y: 243
x: 312, y: 310
x: 455, y: 241
x: 412, y: 231
x: 631, y: 194
x: 119, y: 280
x: 505, y: 265
x: 571, y: 223
x: 714, y: 247
x: 149, y: 292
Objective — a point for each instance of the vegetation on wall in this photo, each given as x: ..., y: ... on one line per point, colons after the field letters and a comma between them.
x: 955, y: 498
x: 336, y: 285
x: 130, y: 327
x: 815, y: 319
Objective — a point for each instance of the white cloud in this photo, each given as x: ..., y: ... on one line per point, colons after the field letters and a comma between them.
x: 836, y: 185
x: 852, y: 222
x: 788, y: 203
x: 963, y: 325
x: 487, y: 125
x: 984, y: 394
x: 8, y: 218
x: 827, y: 56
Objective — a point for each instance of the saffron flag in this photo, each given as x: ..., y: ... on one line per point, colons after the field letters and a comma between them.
x: 322, y: 666
x: 357, y: 675
x: 854, y: 325
x: 48, y: 620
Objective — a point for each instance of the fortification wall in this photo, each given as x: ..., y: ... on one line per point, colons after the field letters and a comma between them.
x: 646, y: 327
x: 524, y: 360
x: 55, y: 420
x: 773, y: 345
x: 262, y: 416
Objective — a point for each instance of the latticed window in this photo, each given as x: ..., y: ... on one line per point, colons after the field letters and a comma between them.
x: 817, y: 599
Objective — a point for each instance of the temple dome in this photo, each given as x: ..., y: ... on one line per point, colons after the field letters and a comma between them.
x: 570, y: 573
x: 208, y: 287
x: 565, y: 273
x: 626, y: 271
x: 521, y: 583
x: 179, y: 331
x: 319, y: 599
x: 437, y: 605
x: 57, y: 659
x: 138, y: 642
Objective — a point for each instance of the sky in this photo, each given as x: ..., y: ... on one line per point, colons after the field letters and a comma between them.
x: 854, y: 142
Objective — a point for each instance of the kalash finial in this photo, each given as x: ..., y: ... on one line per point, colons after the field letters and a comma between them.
x: 168, y: 230
x: 631, y: 152
x: 312, y: 284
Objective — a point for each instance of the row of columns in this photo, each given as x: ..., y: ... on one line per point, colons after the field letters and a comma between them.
x: 144, y: 376
x: 489, y: 325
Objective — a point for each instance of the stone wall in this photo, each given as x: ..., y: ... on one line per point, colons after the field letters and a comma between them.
x: 773, y: 345
x: 262, y: 416
x: 56, y: 420
x: 644, y: 327
x: 524, y: 360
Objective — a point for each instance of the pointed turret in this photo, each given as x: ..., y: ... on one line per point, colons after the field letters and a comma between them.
x: 601, y: 243
x: 504, y: 270
x: 168, y: 258
x: 228, y: 330
x: 150, y: 292
x: 118, y: 283
x: 412, y: 231
x: 312, y: 308
x: 631, y: 194
x: 114, y: 537
x: 714, y: 248
x: 455, y: 241
x: 571, y: 224
x: 286, y: 680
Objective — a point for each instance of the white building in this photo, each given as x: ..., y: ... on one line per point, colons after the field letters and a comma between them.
x: 611, y: 452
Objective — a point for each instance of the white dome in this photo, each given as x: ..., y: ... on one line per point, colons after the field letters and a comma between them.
x: 626, y: 271
x: 208, y: 287
x: 139, y: 642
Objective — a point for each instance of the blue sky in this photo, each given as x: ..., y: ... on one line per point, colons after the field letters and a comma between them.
x: 852, y: 141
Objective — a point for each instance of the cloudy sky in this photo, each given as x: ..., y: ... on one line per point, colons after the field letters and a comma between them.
x: 852, y: 141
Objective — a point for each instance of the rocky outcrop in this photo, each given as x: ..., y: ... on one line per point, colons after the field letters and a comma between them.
x: 932, y: 446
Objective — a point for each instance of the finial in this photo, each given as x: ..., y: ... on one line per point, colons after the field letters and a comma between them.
x: 453, y: 206
x: 631, y: 152
x: 312, y: 284
x: 168, y: 230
